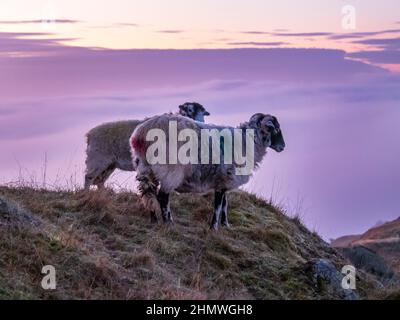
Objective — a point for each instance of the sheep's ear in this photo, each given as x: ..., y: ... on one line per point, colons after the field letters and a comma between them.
x: 206, y: 113
x: 183, y: 110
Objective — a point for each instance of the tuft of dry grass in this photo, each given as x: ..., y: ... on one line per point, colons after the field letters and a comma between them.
x: 143, y: 259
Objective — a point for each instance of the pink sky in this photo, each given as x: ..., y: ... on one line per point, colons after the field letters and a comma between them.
x: 334, y: 91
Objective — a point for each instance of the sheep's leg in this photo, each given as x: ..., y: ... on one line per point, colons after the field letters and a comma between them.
x: 98, y: 174
x: 91, y: 178
x: 218, y: 201
x: 163, y: 199
x: 224, y: 216
x: 103, y: 176
x: 88, y: 182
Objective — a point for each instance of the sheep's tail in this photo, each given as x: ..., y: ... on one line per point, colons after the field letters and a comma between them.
x: 148, y: 188
x: 147, y: 182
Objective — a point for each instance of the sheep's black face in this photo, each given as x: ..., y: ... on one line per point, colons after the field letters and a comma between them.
x: 277, y: 141
x: 270, y: 131
x: 194, y: 111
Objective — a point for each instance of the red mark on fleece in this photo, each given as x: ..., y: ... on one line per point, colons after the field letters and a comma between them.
x: 139, y: 145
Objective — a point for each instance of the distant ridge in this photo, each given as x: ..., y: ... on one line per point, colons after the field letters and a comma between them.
x: 383, y: 240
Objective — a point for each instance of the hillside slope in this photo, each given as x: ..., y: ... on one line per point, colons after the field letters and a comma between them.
x: 389, y: 231
x: 103, y: 246
x: 344, y: 241
x: 382, y: 240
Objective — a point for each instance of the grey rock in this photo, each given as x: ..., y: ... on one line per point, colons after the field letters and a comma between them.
x: 11, y: 211
x: 324, y: 270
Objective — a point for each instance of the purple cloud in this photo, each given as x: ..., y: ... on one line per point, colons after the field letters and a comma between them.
x: 354, y: 35
x: 17, y: 43
x: 304, y: 34
x: 389, y: 52
x: 380, y: 57
x: 284, y: 33
x: 170, y: 31
x: 16, y: 35
x: 329, y: 35
x: 126, y: 24
x: 38, y: 21
x: 52, y: 69
x: 255, y: 32
x: 254, y: 43
x: 389, y: 43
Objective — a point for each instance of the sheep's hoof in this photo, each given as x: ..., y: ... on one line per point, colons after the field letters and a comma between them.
x: 214, y: 227
x: 167, y: 217
x: 226, y: 225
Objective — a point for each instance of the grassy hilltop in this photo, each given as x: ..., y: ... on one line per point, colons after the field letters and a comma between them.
x: 103, y: 247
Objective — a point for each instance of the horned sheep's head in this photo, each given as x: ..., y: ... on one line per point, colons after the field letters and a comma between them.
x: 194, y: 111
x: 269, y: 129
